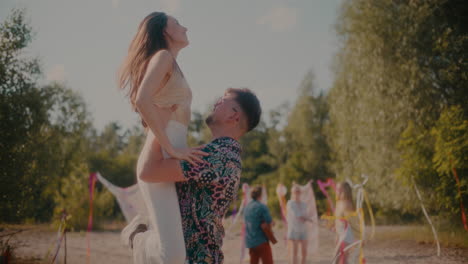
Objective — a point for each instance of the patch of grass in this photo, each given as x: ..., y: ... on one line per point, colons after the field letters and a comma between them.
x: 448, y: 237
x: 27, y: 261
x: 115, y: 225
x: 7, y: 248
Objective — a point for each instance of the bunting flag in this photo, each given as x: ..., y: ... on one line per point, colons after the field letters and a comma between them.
x: 61, y: 236
x: 245, y: 201
x: 264, y: 198
x: 239, y: 213
x: 323, y: 187
x: 436, y: 238
x: 281, y: 192
x: 91, y: 184
x: 308, y: 197
x: 129, y: 198
x: 362, y: 197
x: 462, y: 208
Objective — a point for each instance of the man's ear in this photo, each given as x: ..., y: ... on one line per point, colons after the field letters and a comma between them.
x: 235, y: 117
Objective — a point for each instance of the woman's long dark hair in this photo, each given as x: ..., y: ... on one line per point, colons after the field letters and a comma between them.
x: 149, y: 39
x: 347, y: 193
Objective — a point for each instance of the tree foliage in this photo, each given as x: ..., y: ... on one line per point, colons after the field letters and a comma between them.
x: 401, y: 64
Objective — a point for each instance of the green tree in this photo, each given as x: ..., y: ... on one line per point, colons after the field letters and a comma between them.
x: 400, y: 64
x: 304, y: 135
x: 292, y: 147
x: 256, y: 159
x: 73, y: 197
x: 450, y: 159
x: 115, y: 153
x: 21, y: 116
x: 64, y: 143
x: 44, y: 130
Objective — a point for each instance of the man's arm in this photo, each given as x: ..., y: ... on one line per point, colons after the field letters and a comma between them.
x: 266, y: 225
x: 163, y: 170
x: 266, y: 228
x: 174, y: 170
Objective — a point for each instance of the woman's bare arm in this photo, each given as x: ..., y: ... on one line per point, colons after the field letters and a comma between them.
x: 156, y: 118
x: 156, y: 76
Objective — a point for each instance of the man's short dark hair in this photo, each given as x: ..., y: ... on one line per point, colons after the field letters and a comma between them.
x: 250, y: 105
x: 256, y: 192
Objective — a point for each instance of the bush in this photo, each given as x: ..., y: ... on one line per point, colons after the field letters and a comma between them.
x: 73, y: 196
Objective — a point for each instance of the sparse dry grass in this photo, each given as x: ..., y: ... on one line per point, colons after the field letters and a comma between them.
x: 424, y: 235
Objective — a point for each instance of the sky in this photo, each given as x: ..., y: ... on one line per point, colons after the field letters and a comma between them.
x: 265, y: 45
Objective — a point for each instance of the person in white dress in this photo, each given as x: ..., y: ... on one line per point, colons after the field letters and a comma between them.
x: 297, y: 233
x: 346, y: 224
x: 159, y: 92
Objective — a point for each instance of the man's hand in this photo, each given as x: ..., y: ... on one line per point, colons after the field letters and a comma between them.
x: 192, y: 155
x: 266, y: 228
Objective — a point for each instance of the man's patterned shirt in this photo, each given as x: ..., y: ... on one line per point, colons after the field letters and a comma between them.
x: 204, y: 199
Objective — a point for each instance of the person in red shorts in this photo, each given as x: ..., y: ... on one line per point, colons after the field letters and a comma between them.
x: 258, y: 221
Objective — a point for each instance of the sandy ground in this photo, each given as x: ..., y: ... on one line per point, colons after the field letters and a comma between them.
x: 33, y: 244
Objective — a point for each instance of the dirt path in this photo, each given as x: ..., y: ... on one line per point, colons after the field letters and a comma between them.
x: 106, y: 248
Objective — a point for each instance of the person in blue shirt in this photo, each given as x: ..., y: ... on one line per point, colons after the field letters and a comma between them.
x: 258, y: 221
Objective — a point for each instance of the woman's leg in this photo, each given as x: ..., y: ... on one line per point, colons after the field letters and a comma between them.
x: 303, y: 251
x: 293, y: 248
x: 343, y: 254
x: 352, y: 255
x: 164, y: 240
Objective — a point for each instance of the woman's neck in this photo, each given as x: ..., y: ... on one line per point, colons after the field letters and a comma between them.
x: 174, y: 51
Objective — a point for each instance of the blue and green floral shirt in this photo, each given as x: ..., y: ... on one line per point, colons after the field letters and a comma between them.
x: 205, y: 197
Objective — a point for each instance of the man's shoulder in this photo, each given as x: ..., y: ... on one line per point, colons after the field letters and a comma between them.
x: 257, y: 205
x: 263, y: 206
x: 226, y: 143
x: 251, y: 209
x: 225, y: 150
x: 251, y: 204
x: 255, y: 210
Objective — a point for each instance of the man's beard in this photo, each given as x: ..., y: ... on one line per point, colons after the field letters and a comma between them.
x: 210, y: 120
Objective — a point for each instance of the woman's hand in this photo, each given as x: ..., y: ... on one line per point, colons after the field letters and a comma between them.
x: 192, y: 155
